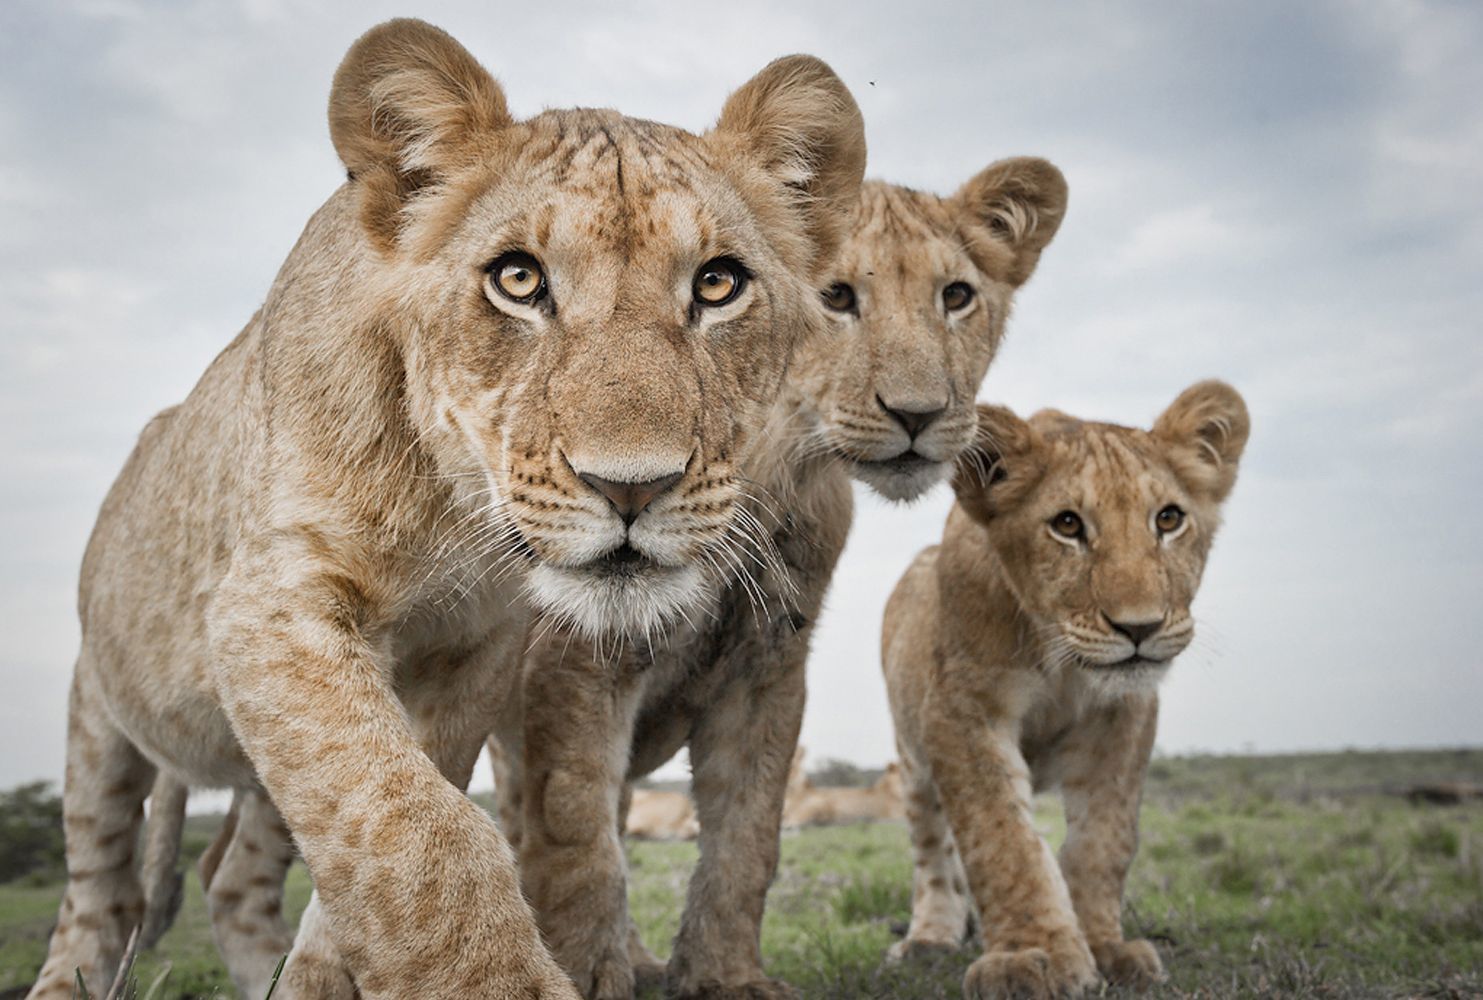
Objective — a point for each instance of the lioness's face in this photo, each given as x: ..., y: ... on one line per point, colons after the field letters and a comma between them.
x: 596, y: 311
x: 917, y: 299
x: 1103, y: 531
x: 618, y: 327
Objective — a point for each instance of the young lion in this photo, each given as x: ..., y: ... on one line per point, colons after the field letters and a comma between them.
x: 918, y: 297
x: 504, y: 353
x: 1027, y: 649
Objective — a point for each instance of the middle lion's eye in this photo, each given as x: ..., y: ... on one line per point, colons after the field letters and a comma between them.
x: 840, y: 297
x: 518, y: 277
x: 957, y: 296
x: 719, y: 281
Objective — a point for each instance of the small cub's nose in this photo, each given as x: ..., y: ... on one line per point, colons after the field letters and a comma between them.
x: 912, y: 421
x: 630, y: 499
x: 1137, y: 631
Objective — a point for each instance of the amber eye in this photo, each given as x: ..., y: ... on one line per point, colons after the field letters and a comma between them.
x: 1067, y: 524
x: 1169, y: 519
x: 518, y: 278
x: 956, y: 296
x: 839, y: 297
x: 719, y: 281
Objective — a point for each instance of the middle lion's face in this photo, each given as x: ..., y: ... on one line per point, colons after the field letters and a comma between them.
x: 620, y: 327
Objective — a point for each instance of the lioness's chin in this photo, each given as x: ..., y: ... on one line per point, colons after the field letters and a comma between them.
x: 901, y: 479
x: 1127, y: 678
x: 598, y: 603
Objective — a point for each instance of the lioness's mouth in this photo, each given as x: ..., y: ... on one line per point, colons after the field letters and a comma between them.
x: 906, y: 463
x: 624, y: 561
x: 1132, y: 663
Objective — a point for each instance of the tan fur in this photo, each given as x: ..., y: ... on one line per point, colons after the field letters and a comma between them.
x: 808, y: 804
x: 729, y: 682
x: 1005, y: 672
x: 309, y: 581
x: 654, y: 814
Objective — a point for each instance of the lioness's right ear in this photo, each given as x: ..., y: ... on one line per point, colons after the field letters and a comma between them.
x: 1014, y: 205
x: 799, y: 122
x: 408, y: 107
x: 999, y: 467
x: 1206, y: 429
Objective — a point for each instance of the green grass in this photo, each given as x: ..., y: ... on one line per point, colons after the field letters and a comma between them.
x: 1294, y: 876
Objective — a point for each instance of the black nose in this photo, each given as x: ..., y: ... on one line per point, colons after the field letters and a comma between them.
x: 630, y: 499
x: 912, y: 421
x: 1137, y: 631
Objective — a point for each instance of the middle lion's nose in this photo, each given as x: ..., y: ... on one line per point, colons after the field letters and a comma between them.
x: 629, y: 498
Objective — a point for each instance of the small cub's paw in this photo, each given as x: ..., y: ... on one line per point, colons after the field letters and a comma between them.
x: 761, y: 989
x: 915, y: 949
x: 610, y: 978
x: 1129, y: 963
x: 1030, y: 974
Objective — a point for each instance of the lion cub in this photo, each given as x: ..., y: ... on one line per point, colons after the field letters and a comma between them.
x: 1025, y: 651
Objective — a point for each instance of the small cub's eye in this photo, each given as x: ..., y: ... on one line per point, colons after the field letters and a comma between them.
x: 956, y: 296
x: 839, y: 297
x: 518, y: 278
x: 1067, y: 524
x: 719, y: 281
x: 1169, y: 519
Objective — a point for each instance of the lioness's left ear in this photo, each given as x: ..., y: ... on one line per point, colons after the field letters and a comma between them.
x: 798, y: 121
x: 1018, y: 204
x: 1207, y: 428
x: 408, y: 107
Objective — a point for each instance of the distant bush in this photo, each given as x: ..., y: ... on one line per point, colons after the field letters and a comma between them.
x: 835, y: 773
x: 31, y: 832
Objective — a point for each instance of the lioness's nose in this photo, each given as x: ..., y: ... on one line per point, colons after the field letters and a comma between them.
x: 1137, y: 631
x: 630, y: 499
x: 912, y: 421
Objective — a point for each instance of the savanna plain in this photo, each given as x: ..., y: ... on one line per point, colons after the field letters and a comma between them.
x: 1356, y: 874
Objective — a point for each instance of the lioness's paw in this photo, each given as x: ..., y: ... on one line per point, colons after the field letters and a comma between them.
x: 1129, y: 963
x: 915, y: 948
x: 761, y: 989
x: 1030, y: 974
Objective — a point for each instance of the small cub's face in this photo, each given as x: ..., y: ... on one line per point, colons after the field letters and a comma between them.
x: 1103, y: 531
x: 918, y: 300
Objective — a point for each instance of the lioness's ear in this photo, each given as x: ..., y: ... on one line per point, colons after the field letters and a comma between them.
x: 799, y: 122
x: 999, y: 467
x: 1015, y: 205
x: 408, y: 107
x: 1206, y: 430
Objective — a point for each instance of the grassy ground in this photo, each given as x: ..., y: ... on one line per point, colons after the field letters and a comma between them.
x: 1292, y: 876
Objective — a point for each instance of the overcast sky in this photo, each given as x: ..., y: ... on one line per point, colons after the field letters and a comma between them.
x: 1286, y: 196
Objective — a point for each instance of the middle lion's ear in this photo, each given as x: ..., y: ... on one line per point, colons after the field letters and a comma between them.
x: 409, y: 106
x: 798, y: 121
x: 1017, y: 204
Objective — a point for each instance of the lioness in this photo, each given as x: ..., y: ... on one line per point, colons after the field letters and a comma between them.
x: 1026, y: 650
x: 504, y: 357
x: 918, y: 300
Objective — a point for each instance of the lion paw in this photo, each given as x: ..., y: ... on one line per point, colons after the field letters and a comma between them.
x: 761, y: 989
x: 611, y: 977
x: 916, y: 948
x: 1030, y: 974
x: 1129, y: 963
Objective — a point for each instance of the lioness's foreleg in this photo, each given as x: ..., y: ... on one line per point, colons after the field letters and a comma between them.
x: 1032, y: 944
x: 243, y: 875
x: 740, y: 751
x: 419, y: 888
x: 579, y: 717
x: 107, y: 781
x: 1101, y: 768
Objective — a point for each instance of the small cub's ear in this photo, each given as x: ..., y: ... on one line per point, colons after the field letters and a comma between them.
x: 407, y: 108
x: 1016, y: 206
x: 1206, y: 430
x: 999, y: 467
x: 798, y: 121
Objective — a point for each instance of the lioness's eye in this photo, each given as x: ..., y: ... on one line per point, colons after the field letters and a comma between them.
x: 1169, y: 519
x: 956, y: 296
x: 518, y: 277
x: 719, y: 281
x: 839, y: 297
x: 1067, y: 524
